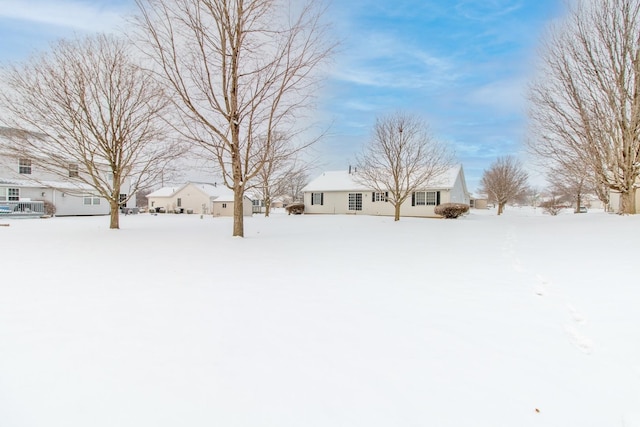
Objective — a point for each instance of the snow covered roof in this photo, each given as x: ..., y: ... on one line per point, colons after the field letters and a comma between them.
x: 217, y: 192
x: 334, y: 181
x: 164, y: 192
x: 344, y: 181
x: 213, y: 190
x: 59, y: 185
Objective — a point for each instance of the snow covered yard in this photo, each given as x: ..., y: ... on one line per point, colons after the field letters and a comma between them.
x: 520, y: 320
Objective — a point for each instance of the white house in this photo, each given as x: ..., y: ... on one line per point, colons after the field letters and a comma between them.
x: 337, y: 192
x: 196, y: 197
x: 24, y: 182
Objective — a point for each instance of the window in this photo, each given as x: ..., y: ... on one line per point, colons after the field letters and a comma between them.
x: 317, y: 198
x: 379, y: 197
x: 179, y: 202
x: 13, y: 194
x: 123, y: 200
x: 9, y: 194
x: 24, y: 166
x: 73, y: 170
x: 90, y: 199
x: 426, y: 198
x: 355, y: 201
x: 224, y: 206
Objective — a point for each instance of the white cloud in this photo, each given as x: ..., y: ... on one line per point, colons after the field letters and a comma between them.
x: 71, y: 14
x: 487, y: 10
x: 506, y: 96
x: 383, y: 60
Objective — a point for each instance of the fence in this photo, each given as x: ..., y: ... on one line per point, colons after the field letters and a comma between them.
x: 22, y: 209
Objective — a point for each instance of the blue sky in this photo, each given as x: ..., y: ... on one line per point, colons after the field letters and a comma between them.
x: 463, y: 65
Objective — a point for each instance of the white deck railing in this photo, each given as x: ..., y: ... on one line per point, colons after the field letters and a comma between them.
x: 34, y: 209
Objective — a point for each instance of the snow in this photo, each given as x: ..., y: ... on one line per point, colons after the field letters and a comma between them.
x: 344, y: 181
x: 520, y: 320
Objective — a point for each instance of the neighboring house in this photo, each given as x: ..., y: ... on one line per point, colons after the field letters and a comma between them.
x: 478, y: 202
x: 196, y: 197
x: 259, y: 205
x: 23, y: 183
x: 337, y: 192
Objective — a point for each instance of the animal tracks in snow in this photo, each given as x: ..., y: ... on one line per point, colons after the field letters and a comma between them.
x: 576, y: 319
x: 581, y: 342
x: 575, y: 314
x: 542, y: 288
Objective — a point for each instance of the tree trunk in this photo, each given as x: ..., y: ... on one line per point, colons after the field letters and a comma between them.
x: 115, y: 215
x: 267, y: 205
x: 578, y: 203
x: 501, y: 208
x: 397, y: 212
x: 238, y: 211
x: 628, y: 202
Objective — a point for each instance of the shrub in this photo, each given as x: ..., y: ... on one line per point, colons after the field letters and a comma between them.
x: 49, y: 208
x: 551, y: 207
x: 451, y: 210
x: 295, y: 208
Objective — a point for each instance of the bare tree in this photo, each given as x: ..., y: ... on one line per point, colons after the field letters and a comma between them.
x: 586, y: 104
x: 571, y: 183
x: 281, y: 165
x: 295, y: 183
x: 401, y: 157
x: 238, y: 69
x: 88, y: 106
x: 504, y: 181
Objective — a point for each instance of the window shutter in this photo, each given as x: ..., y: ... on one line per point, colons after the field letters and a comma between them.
x: 413, y: 199
x: 373, y: 196
x: 311, y: 199
x: 321, y: 199
x: 437, y: 198
x: 386, y: 196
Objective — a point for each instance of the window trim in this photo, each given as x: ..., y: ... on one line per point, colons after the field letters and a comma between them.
x: 10, y: 194
x: 24, y: 166
x: 355, y: 202
x: 74, y: 170
x: 379, y: 196
x: 314, y: 197
x: 425, y: 198
x: 92, y: 200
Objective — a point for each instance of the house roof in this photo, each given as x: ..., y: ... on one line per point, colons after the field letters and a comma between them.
x: 213, y: 190
x: 164, y: 192
x: 59, y: 185
x: 217, y: 192
x: 344, y: 181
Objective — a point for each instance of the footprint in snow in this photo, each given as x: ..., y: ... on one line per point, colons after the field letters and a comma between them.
x: 541, y: 288
x: 579, y: 341
x: 575, y: 314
